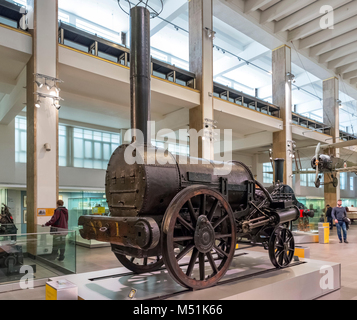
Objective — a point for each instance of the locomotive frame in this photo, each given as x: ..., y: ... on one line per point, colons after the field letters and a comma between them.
x: 162, y: 213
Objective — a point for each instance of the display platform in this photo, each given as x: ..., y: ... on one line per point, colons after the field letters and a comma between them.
x: 251, y: 277
x: 301, y: 237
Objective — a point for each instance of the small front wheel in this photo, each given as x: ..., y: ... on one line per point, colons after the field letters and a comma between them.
x: 281, y: 247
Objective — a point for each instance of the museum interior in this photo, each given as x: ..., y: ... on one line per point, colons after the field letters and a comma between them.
x: 268, y: 86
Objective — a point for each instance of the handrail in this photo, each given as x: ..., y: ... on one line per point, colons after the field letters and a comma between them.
x: 310, y: 123
x: 95, y: 44
x: 245, y: 100
x: 12, y: 11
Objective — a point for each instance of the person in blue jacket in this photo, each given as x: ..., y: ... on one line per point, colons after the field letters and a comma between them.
x: 338, y: 215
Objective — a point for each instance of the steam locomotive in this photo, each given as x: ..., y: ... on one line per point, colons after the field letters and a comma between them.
x: 182, y: 214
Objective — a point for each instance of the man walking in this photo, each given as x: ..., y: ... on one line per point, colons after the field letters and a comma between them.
x: 338, y: 215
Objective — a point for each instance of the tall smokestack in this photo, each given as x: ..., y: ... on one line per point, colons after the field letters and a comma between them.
x: 279, y: 170
x: 140, y: 75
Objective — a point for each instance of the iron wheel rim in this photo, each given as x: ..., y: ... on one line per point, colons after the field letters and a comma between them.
x: 281, y: 247
x: 144, y: 267
x: 224, y: 250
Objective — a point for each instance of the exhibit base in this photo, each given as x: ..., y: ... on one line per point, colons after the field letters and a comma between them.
x: 301, y: 237
x: 251, y: 277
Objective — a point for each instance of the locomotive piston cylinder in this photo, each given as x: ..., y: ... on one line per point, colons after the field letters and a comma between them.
x: 280, y: 217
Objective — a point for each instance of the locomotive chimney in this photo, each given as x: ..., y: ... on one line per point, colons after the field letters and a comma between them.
x: 279, y: 170
x: 140, y: 75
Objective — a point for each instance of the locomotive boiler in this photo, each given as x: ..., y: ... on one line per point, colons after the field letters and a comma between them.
x: 187, y: 216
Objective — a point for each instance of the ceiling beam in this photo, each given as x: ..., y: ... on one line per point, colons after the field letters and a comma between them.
x: 280, y: 9
x: 350, y: 75
x: 177, y: 11
x: 328, y: 34
x: 353, y: 81
x: 12, y: 104
x: 302, y: 19
x: 253, y: 5
x: 347, y: 68
x: 334, y: 43
x: 342, y: 61
x: 338, y: 53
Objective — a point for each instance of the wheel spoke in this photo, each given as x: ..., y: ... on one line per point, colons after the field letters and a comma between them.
x: 286, y: 258
x: 132, y: 259
x: 220, y: 251
x: 202, y: 204
x: 222, y: 236
x: 192, y: 262
x: 213, y: 210
x: 278, y: 253
x: 218, y: 222
x: 211, y: 262
x: 183, y: 238
x: 185, y: 224
x: 280, y: 258
x: 145, y: 261
x: 184, y: 252
x: 191, y: 210
x: 202, y: 266
x: 283, y: 236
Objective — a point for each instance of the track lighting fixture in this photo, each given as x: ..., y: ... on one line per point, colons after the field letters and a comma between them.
x: 210, y: 33
x: 291, y: 77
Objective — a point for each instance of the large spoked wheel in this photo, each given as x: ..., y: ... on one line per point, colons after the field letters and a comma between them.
x: 281, y: 247
x: 199, y: 225
x: 138, y: 265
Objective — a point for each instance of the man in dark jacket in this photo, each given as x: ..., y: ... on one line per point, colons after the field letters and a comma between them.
x: 59, y: 222
x: 338, y: 215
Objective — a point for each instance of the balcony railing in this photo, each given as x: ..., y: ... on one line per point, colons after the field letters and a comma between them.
x: 347, y: 136
x: 310, y: 124
x: 245, y: 100
x: 95, y: 45
x: 13, y: 12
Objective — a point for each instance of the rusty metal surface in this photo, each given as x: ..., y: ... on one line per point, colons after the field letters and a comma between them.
x: 140, y: 233
x: 198, y: 231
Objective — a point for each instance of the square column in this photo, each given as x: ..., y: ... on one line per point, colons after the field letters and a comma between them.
x: 282, y: 97
x: 201, y: 63
x: 331, y: 116
x: 42, y: 120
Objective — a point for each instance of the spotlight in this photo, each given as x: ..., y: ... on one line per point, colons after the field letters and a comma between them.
x: 38, y: 104
x: 291, y: 77
x: 57, y: 89
x: 56, y: 104
x: 47, y: 85
x: 39, y: 84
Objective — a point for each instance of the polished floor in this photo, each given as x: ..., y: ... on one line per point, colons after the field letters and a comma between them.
x: 102, y: 258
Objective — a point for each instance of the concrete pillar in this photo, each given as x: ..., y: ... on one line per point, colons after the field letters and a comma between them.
x: 42, y: 123
x: 201, y: 63
x: 282, y: 98
x: 331, y: 117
